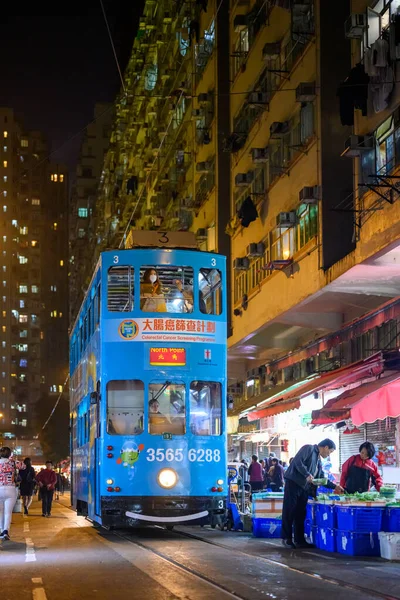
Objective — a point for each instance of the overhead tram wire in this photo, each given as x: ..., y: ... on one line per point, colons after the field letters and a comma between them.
x: 123, y: 238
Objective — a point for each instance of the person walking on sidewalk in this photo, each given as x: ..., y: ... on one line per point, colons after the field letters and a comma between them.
x: 305, y: 467
x: 47, y: 480
x: 8, y: 491
x: 27, y: 483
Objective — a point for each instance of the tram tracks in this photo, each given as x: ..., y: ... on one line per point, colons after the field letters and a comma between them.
x: 325, y: 579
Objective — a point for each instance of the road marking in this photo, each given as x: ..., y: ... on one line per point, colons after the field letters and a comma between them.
x: 30, y: 555
x: 26, y: 527
x: 37, y: 580
x: 39, y: 594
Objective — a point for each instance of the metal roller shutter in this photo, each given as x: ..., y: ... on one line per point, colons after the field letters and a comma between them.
x: 382, y: 432
x: 350, y: 443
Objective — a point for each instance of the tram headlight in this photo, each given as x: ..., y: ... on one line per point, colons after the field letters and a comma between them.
x: 220, y: 481
x: 167, y: 478
x: 109, y: 481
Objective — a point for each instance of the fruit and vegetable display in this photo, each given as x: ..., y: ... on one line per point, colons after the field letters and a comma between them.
x: 357, y: 497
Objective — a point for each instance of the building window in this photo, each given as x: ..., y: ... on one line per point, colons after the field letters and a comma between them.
x: 23, y: 318
x: 5, y: 164
x: 61, y: 263
x: 4, y: 238
x: 4, y: 328
x: 53, y: 288
x: 35, y: 289
x: 3, y: 344
x: 61, y: 178
x: 54, y: 177
x: 23, y: 333
x: 23, y: 289
x: 4, y: 208
x: 34, y: 243
x: 4, y: 298
x: 5, y: 134
x: 35, y: 201
x: 24, y: 143
x: 4, y: 148
x: 4, y: 268
x: 4, y: 283
x: 23, y: 362
x: 22, y: 260
x: 81, y: 233
x: 5, y: 194
x: 82, y: 213
x: 5, y: 178
x: 22, y: 303
x: 4, y: 314
x: 34, y: 318
x: 60, y: 389
x: 23, y: 230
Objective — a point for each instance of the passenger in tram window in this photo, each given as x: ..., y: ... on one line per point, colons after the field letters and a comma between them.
x: 185, y: 303
x: 151, y: 294
x: 154, y: 407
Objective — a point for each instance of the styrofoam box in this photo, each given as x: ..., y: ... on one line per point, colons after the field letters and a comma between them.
x: 390, y: 545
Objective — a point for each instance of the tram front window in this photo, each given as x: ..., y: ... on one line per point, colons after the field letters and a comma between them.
x: 125, y: 407
x: 167, y: 409
x: 205, y: 408
x: 166, y: 289
x: 210, y: 291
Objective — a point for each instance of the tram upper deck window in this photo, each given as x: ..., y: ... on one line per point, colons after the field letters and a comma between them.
x: 125, y: 404
x: 120, y: 288
x: 166, y: 289
x: 210, y: 291
x: 205, y: 408
x: 167, y: 408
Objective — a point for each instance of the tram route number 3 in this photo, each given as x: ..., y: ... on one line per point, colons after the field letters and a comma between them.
x: 177, y: 455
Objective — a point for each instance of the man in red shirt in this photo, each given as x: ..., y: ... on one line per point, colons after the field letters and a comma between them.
x: 47, y: 480
x: 359, y: 471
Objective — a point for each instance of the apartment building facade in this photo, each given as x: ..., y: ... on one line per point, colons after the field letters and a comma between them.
x: 82, y: 208
x: 32, y: 213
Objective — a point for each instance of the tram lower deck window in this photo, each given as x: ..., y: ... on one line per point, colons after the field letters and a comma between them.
x: 167, y: 412
x: 205, y: 408
x: 166, y: 289
x: 125, y: 404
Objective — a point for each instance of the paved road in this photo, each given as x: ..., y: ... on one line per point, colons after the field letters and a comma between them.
x: 66, y: 558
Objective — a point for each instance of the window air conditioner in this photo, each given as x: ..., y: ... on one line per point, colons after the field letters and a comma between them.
x: 305, y: 92
x: 271, y: 51
x: 354, y: 26
x: 257, y: 99
x: 203, y: 97
x: 243, y: 179
x: 240, y: 23
x: 355, y: 145
x: 286, y: 219
x: 259, y: 155
x: 241, y: 264
x: 203, y: 167
x: 309, y: 195
x: 201, y: 234
x: 255, y: 250
x: 279, y: 128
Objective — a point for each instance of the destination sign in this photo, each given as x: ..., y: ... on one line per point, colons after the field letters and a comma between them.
x: 169, y: 357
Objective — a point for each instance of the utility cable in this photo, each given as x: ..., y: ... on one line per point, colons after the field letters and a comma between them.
x: 113, y: 46
x: 57, y: 402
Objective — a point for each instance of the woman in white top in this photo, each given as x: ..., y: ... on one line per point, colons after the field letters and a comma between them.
x: 8, y: 491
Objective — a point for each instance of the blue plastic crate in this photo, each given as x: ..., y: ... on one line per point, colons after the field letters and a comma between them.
x: 314, y: 535
x: 360, y: 519
x: 391, y: 519
x: 311, y: 513
x: 358, y: 544
x: 307, y: 528
x: 326, y: 539
x: 326, y: 516
x: 267, y: 528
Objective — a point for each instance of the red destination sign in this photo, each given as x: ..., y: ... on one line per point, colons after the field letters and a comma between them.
x: 169, y: 357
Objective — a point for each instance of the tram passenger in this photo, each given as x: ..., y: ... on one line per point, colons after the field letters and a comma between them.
x: 170, y: 421
x: 151, y: 295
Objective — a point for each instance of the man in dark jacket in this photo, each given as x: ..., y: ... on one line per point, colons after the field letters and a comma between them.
x: 305, y: 467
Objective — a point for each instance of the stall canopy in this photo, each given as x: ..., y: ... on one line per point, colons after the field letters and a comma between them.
x: 356, y: 372
x: 367, y: 403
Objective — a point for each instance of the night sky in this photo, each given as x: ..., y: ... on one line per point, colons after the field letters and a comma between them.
x: 54, y: 68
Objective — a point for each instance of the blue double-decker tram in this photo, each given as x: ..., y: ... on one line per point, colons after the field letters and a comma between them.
x: 148, y: 387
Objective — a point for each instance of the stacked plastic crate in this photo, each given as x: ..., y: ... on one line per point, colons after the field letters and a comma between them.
x: 267, y: 514
x: 357, y: 530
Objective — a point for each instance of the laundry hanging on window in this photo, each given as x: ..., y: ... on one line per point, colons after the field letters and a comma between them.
x: 247, y: 213
x: 353, y: 93
x: 377, y: 66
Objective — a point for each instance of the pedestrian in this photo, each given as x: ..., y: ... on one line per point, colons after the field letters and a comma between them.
x: 255, y: 472
x: 359, y: 471
x: 58, y: 486
x: 27, y: 484
x: 305, y: 467
x: 8, y: 491
x: 276, y: 474
x: 47, y: 480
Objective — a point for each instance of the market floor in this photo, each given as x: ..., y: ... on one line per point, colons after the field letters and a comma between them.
x: 65, y: 558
